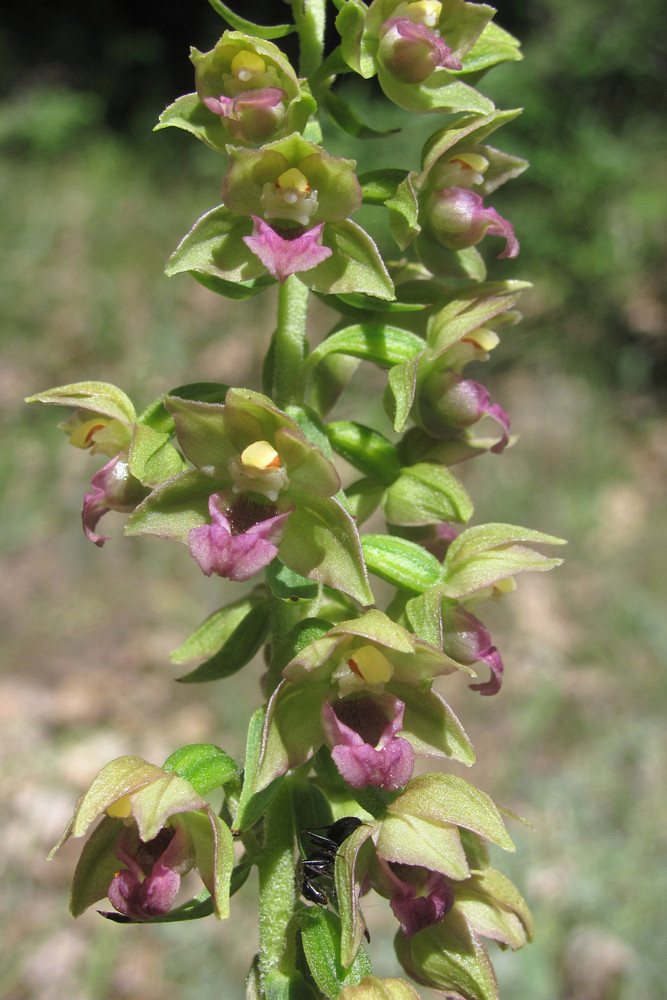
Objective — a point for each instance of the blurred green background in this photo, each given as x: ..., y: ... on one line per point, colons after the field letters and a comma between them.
x: 91, y: 204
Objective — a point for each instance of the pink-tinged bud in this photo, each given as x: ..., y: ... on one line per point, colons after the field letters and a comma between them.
x: 149, y: 885
x: 239, y: 542
x: 364, y: 746
x: 467, y: 641
x: 449, y: 401
x: 458, y: 219
x: 410, y: 52
x: 282, y: 257
x: 421, y: 901
x: 114, y: 488
x: 253, y: 116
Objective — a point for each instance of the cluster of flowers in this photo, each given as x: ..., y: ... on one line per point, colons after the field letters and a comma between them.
x: 248, y: 482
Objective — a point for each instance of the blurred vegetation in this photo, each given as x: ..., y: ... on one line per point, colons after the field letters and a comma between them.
x: 90, y: 205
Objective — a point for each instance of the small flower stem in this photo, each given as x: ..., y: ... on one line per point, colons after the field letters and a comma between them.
x: 289, y: 341
x: 310, y: 19
x: 277, y: 888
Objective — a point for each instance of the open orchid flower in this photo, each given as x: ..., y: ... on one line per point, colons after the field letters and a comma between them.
x: 235, y: 545
x: 157, y: 826
x: 362, y: 734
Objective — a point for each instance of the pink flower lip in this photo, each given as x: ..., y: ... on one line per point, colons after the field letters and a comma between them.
x: 239, y: 542
x: 149, y: 885
x: 364, y: 746
x: 282, y: 257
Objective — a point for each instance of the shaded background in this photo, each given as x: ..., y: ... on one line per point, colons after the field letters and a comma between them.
x: 91, y: 203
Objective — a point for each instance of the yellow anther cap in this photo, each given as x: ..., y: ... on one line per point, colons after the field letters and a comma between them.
x: 369, y: 663
x: 247, y: 64
x: 260, y: 455
x: 293, y: 178
x: 121, y: 808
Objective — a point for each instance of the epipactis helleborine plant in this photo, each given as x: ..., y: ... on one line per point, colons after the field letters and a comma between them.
x: 257, y: 485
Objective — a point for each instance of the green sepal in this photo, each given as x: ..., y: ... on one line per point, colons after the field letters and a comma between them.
x: 98, y: 397
x: 404, y: 213
x: 470, y: 309
x: 350, y: 869
x: 287, y: 585
x: 321, y: 541
x: 400, y: 392
x: 346, y: 119
x: 237, y: 290
x: 381, y: 343
x: 214, y: 246
x: 495, y: 908
x: 365, y: 449
x: 189, y: 114
x: 430, y: 725
x: 462, y: 24
x: 214, y: 856
x: 379, y: 185
x: 355, y: 264
x: 471, y: 130
x: 321, y: 939
x: 173, y: 508
x: 304, y: 633
x: 449, y: 957
x: 446, y: 798
x: 96, y: 867
x: 158, y: 417
x: 425, y: 841
x: 292, y: 730
x: 205, y: 766
x: 241, y: 24
x: 494, y: 45
x: 152, y: 459
x: 401, y: 562
x: 252, y: 805
x: 350, y: 24
x: 241, y: 644
x: 424, y: 615
x: 364, y: 308
x: 444, y: 94
x: 426, y: 494
x: 486, y: 553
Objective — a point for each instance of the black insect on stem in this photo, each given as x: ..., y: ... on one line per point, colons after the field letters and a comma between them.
x: 317, y: 868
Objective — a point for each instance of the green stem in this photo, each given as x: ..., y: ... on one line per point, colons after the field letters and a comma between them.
x: 289, y: 341
x: 310, y: 19
x: 277, y: 888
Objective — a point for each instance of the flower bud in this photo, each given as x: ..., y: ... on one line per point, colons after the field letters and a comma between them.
x: 449, y: 401
x: 253, y: 116
x: 458, y: 220
x: 410, y: 52
x: 114, y: 488
x: 372, y: 988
